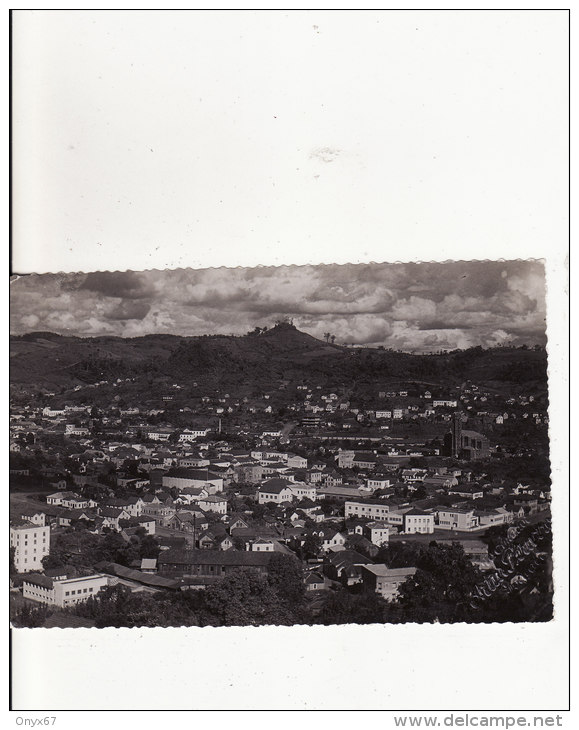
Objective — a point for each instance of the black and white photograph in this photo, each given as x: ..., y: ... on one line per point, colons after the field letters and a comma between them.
x: 288, y: 409
x: 281, y: 445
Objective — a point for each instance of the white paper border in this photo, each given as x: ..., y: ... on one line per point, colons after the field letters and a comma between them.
x: 503, y: 667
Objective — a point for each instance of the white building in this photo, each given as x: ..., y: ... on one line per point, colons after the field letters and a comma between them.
x: 385, y: 581
x: 161, y: 434
x: 192, y: 435
x: 377, y: 483
x: 213, y: 504
x: 72, y: 430
x: 62, y: 593
x: 275, y: 490
x: 378, y: 533
x: 361, y: 509
x: 383, y: 414
x: 296, y: 462
x: 417, y: 521
x: 301, y: 491
x: 262, y: 546
x: 31, y: 543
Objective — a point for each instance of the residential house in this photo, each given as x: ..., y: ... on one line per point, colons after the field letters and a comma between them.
x: 190, y: 495
x: 385, y: 581
x: 191, y: 522
x: 112, y: 517
x: 331, y: 539
x: 275, y: 490
x: 377, y: 532
x: 213, y: 504
x: 345, y: 566
x: 262, y: 545
x: 297, y: 462
x: 315, y: 582
x: 34, y: 516
x: 377, y: 483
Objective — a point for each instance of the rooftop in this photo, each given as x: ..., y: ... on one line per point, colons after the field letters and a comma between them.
x: 383, y: 571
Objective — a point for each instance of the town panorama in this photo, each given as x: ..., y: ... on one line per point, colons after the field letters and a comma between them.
x: 276, y: 478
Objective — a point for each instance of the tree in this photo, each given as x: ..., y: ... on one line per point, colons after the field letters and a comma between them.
x: 117, y: 606
x: 31, y: 617
x: 75, y: 548
x: 238, y: 543
x: 244, y: 598
x: 149, y: 547
x: 312, y: 545
x: 286, y: 577
x: 343, y: 607
x: 12, y: 566
x: 442, y: 587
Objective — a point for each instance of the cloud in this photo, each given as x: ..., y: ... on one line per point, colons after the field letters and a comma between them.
x: 129, y: 310
x: 126, y: 284
x: 30, y: 321
x: 403, y: 306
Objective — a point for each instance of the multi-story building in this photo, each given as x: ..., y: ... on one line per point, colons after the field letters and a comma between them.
x: 345, y: 459
x: 452, y: 518
x: 275, y: 490
x: 62, y: 593
x: 300, y: 491
x: 416, y: 520
x: 363, y: 509
x: 31, y: 543
x: 377, y: 532
x: 378, y: 483
x: 193, y: 435
x: 213, y: 504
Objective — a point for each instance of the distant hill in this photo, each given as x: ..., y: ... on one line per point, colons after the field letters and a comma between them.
x: 282, y: 353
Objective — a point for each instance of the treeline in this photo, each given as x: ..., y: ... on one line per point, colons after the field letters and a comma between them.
x: 245, y: 598
x: 446, y: 588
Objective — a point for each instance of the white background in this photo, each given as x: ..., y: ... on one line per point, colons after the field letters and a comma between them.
x: 434, y: 135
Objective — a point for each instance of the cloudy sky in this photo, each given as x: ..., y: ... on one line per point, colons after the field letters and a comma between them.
x: 411, y: 307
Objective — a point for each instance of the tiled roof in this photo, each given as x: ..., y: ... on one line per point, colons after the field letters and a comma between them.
x: 214, y: 557
x: 39, y: 580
